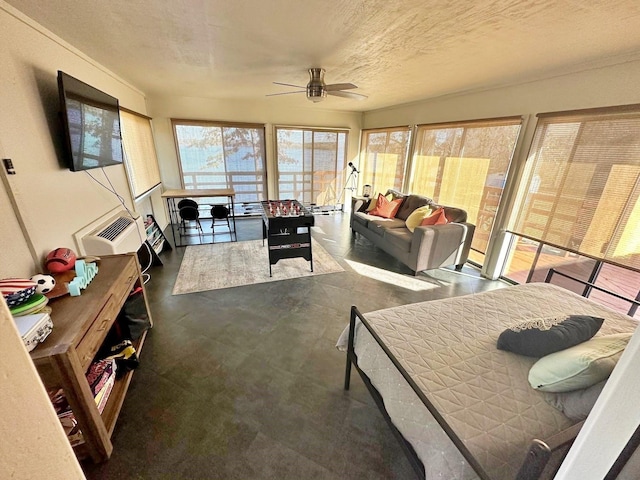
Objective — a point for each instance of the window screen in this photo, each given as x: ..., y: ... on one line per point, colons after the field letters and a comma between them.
x: 217, y: 155
x: 310, y: 164
x: 464, y: 164
x: 580, y: 191
x: 383, y: 158
x: 141, y: 161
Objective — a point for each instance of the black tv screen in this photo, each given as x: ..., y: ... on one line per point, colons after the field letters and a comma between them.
x: 91, y: 122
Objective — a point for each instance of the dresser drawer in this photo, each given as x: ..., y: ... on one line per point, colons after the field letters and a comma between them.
x: 122, y: 290
x: 92, y: 341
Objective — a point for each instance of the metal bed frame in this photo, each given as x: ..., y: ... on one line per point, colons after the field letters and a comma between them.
x: 537, y: 456
x: 540, y: 451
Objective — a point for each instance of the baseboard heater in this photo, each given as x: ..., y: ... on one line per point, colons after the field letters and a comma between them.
x: 120, y: 234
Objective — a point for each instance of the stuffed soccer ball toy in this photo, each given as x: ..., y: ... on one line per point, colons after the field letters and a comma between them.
x: 60, y: 260
x: 44, y: 283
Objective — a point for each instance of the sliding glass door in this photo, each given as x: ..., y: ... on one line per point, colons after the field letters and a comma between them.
x: 311, y: 164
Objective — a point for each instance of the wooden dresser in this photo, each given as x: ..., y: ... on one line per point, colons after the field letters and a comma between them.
x: 80, y: 325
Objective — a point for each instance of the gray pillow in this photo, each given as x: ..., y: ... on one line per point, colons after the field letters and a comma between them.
x: 409, y: 204
x: 542, y: 336
x: 577, y: 404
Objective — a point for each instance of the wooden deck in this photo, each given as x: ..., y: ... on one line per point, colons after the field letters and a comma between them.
x: 616, y: 279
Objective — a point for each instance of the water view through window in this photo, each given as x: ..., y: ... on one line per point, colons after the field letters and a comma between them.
x: 214, y: 156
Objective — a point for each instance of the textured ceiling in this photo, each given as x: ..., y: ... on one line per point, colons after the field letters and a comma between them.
x: 396, y: 51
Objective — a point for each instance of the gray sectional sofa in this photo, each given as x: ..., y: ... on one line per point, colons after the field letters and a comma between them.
x: 428, y: 247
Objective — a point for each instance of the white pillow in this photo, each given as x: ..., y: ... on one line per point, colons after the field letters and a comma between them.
x: 580, y: 366
x: 415, y: 218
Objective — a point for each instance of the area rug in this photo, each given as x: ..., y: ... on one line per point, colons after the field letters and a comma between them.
x: 233, y: 264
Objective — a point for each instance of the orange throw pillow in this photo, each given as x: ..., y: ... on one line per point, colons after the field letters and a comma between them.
x: 436, y: 218
x: 385, y: 208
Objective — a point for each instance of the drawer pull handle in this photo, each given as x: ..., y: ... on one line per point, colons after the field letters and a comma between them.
x: 104, y: 323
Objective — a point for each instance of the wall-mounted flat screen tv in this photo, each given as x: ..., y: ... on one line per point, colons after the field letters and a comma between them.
x: 91, y: 123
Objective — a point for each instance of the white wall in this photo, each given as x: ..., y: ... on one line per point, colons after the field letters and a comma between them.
x: 32, y: 445
x: 53, y: 201
x: 16, y: 250
x: 268, y: 112
x: 594, y: 87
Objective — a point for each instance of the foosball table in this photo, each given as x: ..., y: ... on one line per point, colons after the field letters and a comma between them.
x: 287, y: 228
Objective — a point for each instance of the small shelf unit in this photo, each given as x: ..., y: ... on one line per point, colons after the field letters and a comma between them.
x: 156, y: 240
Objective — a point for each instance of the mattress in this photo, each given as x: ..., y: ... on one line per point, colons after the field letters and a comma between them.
x: 448, y: 347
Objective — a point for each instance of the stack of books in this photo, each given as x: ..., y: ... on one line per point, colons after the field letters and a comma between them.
x: 68, y: 421
x: 101, y: 377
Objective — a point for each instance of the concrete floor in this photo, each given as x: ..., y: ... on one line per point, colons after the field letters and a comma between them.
x: 246, y: 382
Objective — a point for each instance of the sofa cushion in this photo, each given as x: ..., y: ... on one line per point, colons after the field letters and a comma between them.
x: 416, y: 217
x: 456, y: 215
x: 400, y: 238
x: 411, y: 203
x: 438, y: 217
x: 369, y: 203
x: 394, y: 194
x: 378, y: 225
x: 385, y: 208
x: 361, y: 204
x: 361, y: 218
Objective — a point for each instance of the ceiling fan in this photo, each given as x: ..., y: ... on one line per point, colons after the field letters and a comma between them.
x: 317, y: 90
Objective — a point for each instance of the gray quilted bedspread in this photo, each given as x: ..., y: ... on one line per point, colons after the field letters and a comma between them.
x: 448, y: 347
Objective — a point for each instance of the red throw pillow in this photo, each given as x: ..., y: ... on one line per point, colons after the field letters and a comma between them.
x: 385, y: 208
x: 436, y: 218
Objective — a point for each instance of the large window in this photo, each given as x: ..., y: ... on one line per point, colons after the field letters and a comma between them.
x: 311, y: 164
x: 221, y: 155
x: 578, y: 207
x: 582, y: 186
x: 141, y: 161
x: 383, y: 157
x: 464, y: 164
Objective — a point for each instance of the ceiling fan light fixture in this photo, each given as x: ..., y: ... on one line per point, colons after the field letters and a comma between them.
x: 316, y: 87
x: 316, y: 93
x: 317, y: 90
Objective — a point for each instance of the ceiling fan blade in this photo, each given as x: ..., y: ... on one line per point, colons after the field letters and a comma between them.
x: 339, y: 86
x: 288, y: 85
x: 284, y: 93
x: 353, y: 95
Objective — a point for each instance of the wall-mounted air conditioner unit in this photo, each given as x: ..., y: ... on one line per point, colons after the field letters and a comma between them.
x: 120, y: 234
